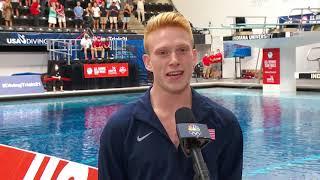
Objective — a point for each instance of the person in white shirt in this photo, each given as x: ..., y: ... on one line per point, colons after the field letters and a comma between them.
x: 96, y: 15
x: 140, y: 10
x: 86, y: 44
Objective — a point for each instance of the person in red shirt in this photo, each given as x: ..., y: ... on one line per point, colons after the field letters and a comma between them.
x: 106, y: 46
x: 97, y: 45
x: 35, y: 11
x: 206, y: 66
x: 217, y: 65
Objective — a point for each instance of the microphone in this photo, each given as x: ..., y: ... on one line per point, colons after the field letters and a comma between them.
x: 193, y: 136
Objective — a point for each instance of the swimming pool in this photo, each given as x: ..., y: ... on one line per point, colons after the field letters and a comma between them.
x: 281, y: 134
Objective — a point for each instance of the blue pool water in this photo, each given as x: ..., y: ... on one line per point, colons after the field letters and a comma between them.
x: 281, y: 134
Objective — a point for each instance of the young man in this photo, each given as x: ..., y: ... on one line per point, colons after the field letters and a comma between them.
x: 97, y: 45
x: 140, y: 141
x: 78, y: 15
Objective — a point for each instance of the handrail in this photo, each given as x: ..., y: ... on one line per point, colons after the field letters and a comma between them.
x: 308, y: 58
x: 316, y: 59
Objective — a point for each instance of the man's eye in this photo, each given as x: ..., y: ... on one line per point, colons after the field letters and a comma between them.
x: 182, y: 50
x: 163, y: 53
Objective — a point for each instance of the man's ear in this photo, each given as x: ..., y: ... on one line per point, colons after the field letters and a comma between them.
x: 147, y: 62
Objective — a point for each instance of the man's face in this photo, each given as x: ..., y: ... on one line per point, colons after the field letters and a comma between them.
x: 171, y: 58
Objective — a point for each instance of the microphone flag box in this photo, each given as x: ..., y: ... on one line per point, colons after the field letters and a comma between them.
x: 193, y: 131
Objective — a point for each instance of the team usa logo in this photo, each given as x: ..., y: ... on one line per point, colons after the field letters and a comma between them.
x: 194, y: 130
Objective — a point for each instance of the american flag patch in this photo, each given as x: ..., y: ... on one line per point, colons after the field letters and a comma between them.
x: 212, y: 133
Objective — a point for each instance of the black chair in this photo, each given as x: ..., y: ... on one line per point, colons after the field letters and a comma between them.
x: 20, y: 29
x: 70, y: 22
x: 69, y: 13
x: 26, y: 20
x: 43, y: 21
x: 24, y: 10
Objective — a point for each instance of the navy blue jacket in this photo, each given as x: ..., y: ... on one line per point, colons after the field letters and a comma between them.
x: 134, y: 145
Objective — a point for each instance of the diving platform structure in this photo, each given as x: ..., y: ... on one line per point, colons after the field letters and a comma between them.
x: 288, y: 33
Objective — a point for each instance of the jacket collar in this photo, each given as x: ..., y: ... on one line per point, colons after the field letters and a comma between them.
x: 144, y: 111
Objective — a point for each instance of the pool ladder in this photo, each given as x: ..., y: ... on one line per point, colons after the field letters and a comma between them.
x: 314, y: 59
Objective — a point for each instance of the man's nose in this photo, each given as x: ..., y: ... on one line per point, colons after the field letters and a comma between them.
x: 174, y: 60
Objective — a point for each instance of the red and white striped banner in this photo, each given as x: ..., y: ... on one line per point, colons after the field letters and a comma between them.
x: 21, y: 164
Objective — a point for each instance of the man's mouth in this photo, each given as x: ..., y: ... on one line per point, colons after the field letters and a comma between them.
x: 174, y: 73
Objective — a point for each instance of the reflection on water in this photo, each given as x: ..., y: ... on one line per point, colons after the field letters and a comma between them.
x: 281, y: 135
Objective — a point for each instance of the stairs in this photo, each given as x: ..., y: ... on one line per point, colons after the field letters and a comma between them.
x: 135, y: 25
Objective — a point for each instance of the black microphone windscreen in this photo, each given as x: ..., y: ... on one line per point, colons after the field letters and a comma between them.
x: 184, y: 115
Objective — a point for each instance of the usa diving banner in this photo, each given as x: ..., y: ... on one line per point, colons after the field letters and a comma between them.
x: 24, y: 84
x: 31, y: 39
x: 271, y: 66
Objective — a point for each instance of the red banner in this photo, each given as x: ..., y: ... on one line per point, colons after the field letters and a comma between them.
x: 271, y: 66
x: 20, y: 164
x: 106, y: 70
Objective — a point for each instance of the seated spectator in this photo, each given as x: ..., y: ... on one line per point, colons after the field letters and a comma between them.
x: 126, y: 15
x: 61, y: 15
x: 86, y: 44
x: 97, y: 45
x: 113, y: 15
x: 52, y: 20
x: 103, y: 15
x: 78, y: 13
x: 57, y: 80
x: 7, y: 13
x: 35, y: 11
x: 96, y: 15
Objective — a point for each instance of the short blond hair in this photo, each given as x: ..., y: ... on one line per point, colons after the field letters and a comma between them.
x: 166, y: 19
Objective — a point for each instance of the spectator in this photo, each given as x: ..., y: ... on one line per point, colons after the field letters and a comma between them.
x: 140, y: 11
x: 86, y: 44
x: 96, y: 15
x: 27, y: 3
x: 7, y: 13
x: 108, y: 3
x: 97, y: 45
x: 1, y: 11
x: 35, y: 11
x: 61, y: 15
x: 15, y: 6
x: 206, y: 66
x: 78, y: 13
x: 99, y: 2
x: 88, y: 21
x: 113, y: 17
x: 103, y: 15
x: 126, y: 15
x: 118, y: 2
x: 52, y: 20
x: 106, y: 46
x: 217, y: 65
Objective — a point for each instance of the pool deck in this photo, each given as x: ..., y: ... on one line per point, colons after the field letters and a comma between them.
x: 302, y: 85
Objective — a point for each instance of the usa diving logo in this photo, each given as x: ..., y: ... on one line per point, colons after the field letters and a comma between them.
x: 23, y: 40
